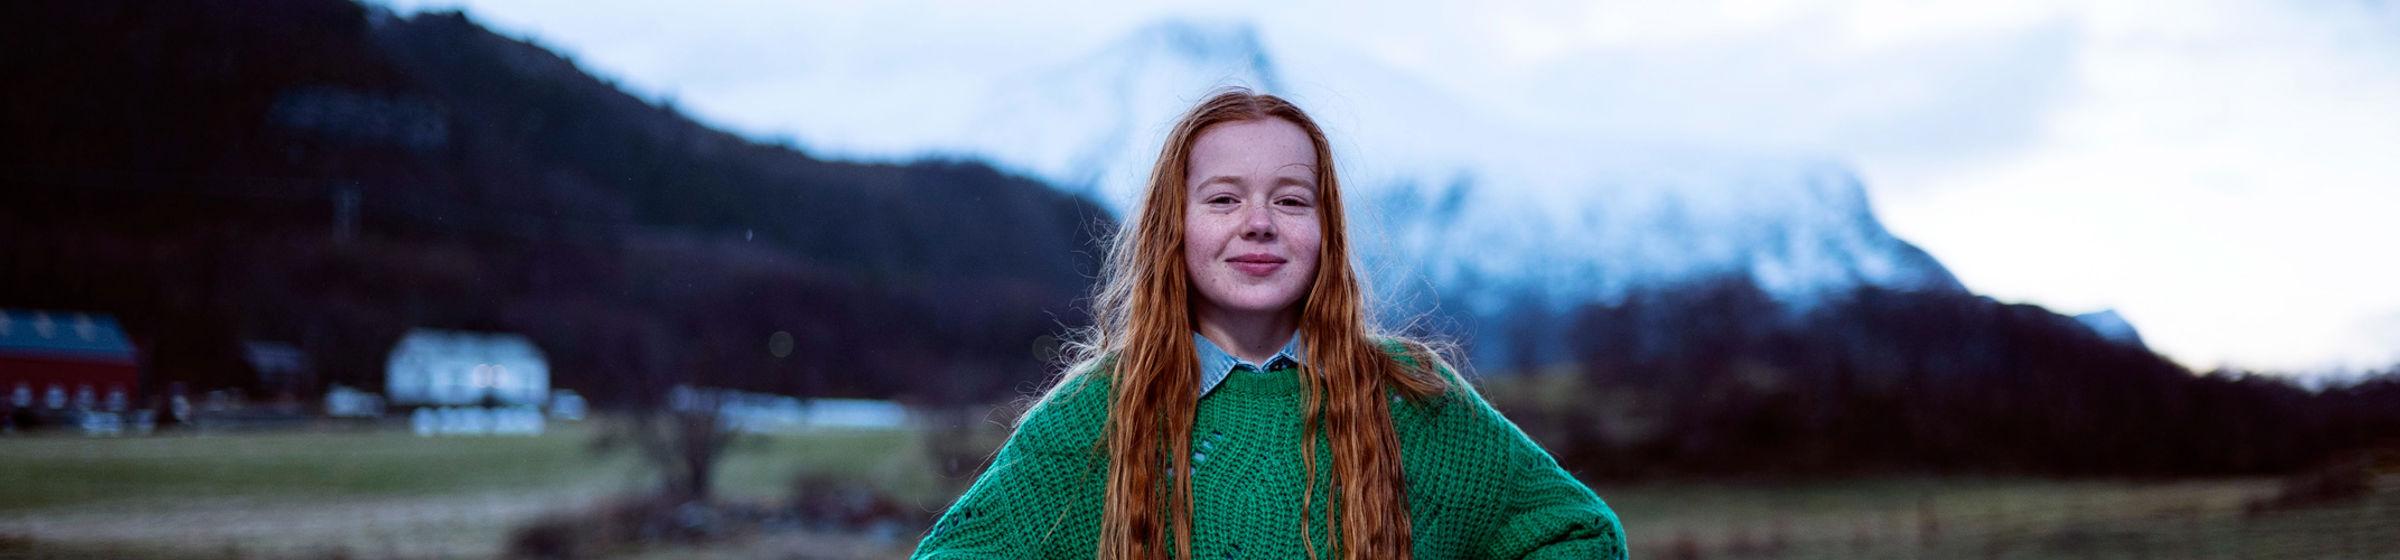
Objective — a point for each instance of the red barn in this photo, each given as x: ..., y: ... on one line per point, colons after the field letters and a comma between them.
x: 52, y: 360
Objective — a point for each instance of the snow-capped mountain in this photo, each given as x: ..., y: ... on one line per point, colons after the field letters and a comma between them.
x: 2110, y: 325
x: 1460, y: 209
x: 1093, y: 124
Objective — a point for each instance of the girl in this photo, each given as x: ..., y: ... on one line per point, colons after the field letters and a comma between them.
x: 1231, y: 400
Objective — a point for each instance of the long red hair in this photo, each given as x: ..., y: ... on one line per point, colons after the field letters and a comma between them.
x: 1143, y: 318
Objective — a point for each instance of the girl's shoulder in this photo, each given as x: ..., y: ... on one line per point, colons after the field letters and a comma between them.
x: 1457, y: 412
x: 1070, y: 418
x: 1421, y: 360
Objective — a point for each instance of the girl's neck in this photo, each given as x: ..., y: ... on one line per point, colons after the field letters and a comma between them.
x: 1254, y: 337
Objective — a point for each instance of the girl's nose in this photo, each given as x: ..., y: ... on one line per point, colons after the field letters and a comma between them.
x: 1258, y: 222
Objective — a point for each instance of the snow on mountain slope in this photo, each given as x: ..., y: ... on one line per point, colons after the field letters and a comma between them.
x: 1457, y: 198
x: 1093, y: 124
x: 2111, y: 325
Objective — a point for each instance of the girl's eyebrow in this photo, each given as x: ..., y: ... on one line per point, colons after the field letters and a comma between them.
x: 1236, y: 181
x: 1218, y: 179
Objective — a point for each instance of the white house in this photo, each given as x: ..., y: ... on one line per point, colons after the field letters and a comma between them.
x: 468, y: 382
x: 456, y: 368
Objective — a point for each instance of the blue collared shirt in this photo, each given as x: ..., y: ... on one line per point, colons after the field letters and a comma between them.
x: 1216, y: 364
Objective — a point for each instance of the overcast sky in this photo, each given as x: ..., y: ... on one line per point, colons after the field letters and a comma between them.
x: 2224, y: 174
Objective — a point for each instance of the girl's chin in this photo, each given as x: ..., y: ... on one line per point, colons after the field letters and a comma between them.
x: 1247, y: 302
x: 1259, y: 307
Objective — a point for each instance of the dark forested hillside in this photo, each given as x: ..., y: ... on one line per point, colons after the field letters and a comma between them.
x: 328, y: 174
x: 1716, y: 378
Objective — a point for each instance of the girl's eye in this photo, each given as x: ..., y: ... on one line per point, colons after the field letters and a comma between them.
x: 1292, y: 202
x: 1220, y: 199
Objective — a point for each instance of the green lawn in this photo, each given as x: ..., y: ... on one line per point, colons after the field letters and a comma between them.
x: 1905, y: 517
x: 52, y: 471
x: 894, y: 461
x: 372, y: 493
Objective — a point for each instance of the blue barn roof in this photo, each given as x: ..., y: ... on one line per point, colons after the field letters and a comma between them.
x: 62, y: 334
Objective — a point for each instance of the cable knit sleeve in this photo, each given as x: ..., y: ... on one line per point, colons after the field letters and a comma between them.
x: 1541, y: 512
x: 1045, y: 482
x: 1548, y: 513
x: 1553, y: 516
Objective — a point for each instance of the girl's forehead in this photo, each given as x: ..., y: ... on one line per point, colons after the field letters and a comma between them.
x: 1260, y: 148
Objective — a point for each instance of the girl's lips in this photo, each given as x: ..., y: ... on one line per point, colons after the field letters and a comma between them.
x: 1257, y: 268
x: 1257, y: 264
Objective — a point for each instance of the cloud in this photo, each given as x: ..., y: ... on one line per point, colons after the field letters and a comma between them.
x: 2219, y: 174
x: 1794, y: 87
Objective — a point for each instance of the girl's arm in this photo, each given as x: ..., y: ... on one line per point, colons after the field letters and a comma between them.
x: 1041, y: 494
x: 1547, y: 513
x: 1553, y: 515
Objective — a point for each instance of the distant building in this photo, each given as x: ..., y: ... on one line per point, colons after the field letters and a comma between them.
x: 282, y: 368
x: 769, y: 413
x: 344, y: 402
x: 468, y: 383
x: 60, y: 361
x: 568, y: 405
x: 456, y: 368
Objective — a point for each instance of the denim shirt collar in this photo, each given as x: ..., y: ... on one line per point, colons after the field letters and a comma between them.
x: 1216, y: 364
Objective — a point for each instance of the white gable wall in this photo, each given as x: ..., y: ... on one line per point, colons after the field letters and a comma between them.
x: 454, y: 368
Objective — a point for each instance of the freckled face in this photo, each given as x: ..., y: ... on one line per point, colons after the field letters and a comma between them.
x: 1250, y: 230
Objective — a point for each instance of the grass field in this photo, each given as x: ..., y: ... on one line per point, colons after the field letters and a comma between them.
x: 366, y: 493
x: 388, y: 494
x: 1999, y: 518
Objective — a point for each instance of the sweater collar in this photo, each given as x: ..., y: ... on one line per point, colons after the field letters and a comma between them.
x: 1216, y: 364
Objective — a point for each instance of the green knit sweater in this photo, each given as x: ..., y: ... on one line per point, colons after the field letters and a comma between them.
x: 1477, y: 487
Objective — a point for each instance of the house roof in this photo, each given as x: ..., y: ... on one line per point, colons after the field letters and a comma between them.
x: 63, y: 334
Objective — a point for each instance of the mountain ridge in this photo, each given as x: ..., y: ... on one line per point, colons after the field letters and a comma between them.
x: 1487, y: 211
